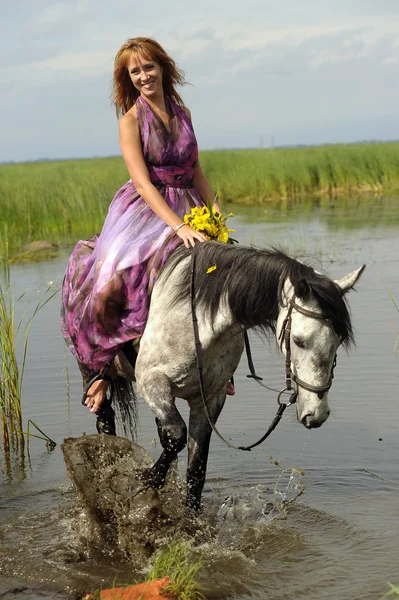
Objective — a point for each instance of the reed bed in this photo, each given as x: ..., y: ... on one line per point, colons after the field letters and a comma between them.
x: 63, y: 201
x: 54, y: 201
x: 261, y: 176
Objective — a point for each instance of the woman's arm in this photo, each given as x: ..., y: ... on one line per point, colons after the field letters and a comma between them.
x: 129, y: 138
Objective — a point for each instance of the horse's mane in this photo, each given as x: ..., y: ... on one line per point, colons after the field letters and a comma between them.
x: 251, y: 281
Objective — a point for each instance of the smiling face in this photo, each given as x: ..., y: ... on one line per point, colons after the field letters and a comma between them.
x: 146, y: 76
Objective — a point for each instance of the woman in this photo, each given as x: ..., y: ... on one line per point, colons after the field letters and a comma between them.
x: 106, y: 290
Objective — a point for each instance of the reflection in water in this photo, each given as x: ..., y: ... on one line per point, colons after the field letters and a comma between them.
x: 339, y: 540
x: 336, y: 213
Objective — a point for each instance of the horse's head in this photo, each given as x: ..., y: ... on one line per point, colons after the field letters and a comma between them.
x: 313, y: 321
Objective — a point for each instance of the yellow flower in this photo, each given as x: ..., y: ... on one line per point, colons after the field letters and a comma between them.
x: 211, y: 223
x: 223, y: 237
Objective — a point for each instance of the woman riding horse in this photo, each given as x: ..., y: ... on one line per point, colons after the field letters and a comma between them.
x: 109, y: 279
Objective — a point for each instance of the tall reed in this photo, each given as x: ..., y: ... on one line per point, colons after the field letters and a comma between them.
x: 14, y: 333
x: 10, y: 374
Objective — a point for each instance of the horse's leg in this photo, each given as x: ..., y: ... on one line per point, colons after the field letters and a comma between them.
x: 172, y: 429
x: 199, y: 438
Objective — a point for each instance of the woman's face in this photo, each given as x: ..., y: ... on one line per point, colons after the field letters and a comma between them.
x: 146, y: 76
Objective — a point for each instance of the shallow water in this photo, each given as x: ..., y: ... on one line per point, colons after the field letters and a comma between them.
x: 338, y: 540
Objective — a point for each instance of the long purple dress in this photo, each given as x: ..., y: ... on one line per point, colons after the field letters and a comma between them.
x: 109, y: 278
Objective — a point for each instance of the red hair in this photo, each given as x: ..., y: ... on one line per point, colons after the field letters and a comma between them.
x: 124, y: 94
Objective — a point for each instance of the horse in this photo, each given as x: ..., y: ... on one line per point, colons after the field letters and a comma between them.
x: 232, y: 289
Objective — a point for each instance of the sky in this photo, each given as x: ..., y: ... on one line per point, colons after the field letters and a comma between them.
x: 262, y: 73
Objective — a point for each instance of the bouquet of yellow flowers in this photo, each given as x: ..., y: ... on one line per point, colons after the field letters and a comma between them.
x: 209, y: 222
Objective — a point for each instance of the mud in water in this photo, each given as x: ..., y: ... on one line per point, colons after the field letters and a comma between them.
x: 120, y: 510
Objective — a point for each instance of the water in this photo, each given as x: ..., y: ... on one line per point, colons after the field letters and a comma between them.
x: 339, y: 539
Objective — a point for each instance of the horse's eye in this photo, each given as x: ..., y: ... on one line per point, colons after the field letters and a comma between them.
x: 298, y: 342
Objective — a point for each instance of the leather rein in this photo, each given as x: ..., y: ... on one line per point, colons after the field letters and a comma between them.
x: 284, y: 338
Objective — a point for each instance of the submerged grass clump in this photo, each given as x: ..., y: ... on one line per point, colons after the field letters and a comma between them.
x: 177, y: 563
x: 61, y: 202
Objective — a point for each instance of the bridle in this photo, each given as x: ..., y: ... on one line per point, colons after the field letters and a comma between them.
x: 284, y: 337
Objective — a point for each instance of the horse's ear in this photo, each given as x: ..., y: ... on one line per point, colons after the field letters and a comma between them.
x: 347, y: 282
x: 302, y: 289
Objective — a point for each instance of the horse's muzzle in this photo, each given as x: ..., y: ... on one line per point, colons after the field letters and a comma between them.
x: 312, y: 420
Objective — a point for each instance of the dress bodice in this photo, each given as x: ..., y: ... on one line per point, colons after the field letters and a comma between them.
x: 177, y: 147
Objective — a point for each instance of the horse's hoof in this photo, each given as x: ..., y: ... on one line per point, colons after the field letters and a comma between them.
x: 106, y: 419
x: 154, y: 480
x: 194, y: 504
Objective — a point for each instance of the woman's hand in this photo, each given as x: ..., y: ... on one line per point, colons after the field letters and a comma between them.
x: 189, y: 236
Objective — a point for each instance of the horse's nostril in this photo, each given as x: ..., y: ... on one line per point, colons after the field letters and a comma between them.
x: 307, y: 419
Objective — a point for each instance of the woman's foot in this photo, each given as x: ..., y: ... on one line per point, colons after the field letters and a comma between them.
x: 230, y: 390
x: 95, y: 395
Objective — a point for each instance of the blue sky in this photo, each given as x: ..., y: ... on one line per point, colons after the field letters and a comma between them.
x: 262, y: 72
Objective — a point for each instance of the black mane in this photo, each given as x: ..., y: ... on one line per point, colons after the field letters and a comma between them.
x: 251, y: 280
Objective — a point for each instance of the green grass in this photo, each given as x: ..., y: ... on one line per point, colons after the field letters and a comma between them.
x: 64, y: 201
x: 392, y: 593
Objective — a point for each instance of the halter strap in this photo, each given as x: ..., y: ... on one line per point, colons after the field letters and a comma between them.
x: 285, y: 336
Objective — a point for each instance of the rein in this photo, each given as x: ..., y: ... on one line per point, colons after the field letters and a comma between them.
x: 284, y: 337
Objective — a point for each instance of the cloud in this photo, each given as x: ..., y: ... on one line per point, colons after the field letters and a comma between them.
x: 289, y: 70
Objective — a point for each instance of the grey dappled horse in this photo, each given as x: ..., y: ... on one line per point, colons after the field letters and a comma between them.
x: 249, y: 288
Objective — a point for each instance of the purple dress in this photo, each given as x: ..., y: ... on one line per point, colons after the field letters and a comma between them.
x: 109, y: 278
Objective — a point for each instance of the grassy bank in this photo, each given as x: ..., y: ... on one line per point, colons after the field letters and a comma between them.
x: 63, y: 201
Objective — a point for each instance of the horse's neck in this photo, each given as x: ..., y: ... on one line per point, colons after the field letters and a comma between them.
x: 223, y: 323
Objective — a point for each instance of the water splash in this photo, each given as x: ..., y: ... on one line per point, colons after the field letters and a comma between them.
x: 243, y: 515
